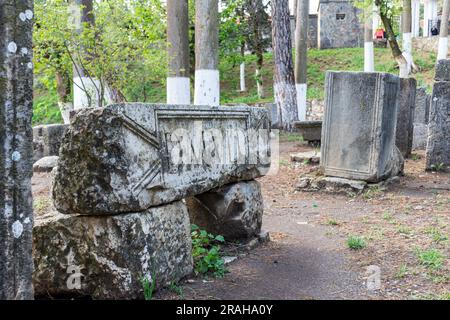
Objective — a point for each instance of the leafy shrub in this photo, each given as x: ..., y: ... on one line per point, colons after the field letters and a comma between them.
x: 356, y: 243
x: 206, y: 252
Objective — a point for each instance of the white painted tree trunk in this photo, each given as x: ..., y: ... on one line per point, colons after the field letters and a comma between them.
x: 415, y: 26
x: 443, y: 36
x: 207, y: 79
x: 369, y: 63
x: 405, y: 68
x: 178, y: 81
x: 259, y: 84
x: 430, y: 14
x: 242, y: 77
x: 301, y: 52
x: 284, y: 79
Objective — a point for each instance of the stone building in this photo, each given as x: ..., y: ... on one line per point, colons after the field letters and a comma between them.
x: 333, y: 24
x: 339, y: 25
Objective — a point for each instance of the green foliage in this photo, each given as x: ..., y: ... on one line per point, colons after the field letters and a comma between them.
x: 438, y: 167
x: 125, y: 49
x: 148, y: 284
x: 432, y: 258
x: 206, y: 252
x: 174, y: 287
x: 356, y: 243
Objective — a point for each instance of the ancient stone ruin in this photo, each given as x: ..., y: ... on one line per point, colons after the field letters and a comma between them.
x: 358, y: 132
x: 118, y: 190
x: 421, y: 117
x: 438, y: 146
x: 358, y: 137
x: 405, y: 116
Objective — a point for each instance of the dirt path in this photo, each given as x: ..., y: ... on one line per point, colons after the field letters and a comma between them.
x: 405, y: 230
x: 308, y: 256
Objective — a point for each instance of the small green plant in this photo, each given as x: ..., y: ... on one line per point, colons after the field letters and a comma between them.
x: 149, y: 286
x: 387, y: 216
x: 438, y: 167
x: 40, y: 204
x: 372, y: 192
x: 415, y: 157
x: 432, y: 258
x: 174, y: 287
x: 206, y: 252
x: 436, y: 235
x: 404, y: 230
x: 402, y: 271
x: 356, y: 243
x: 332, y: 222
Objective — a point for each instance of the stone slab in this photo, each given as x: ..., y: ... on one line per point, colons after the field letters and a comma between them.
x: 438, y: 145
x: 420, y: 136
x: 47, y: 140
x: 442, y: 70
x: 45, y: 164
x: 358, y: 133
x: 405, y: 116
x: 107, y: 257
x: 129, y: 157
x: 422, y: 108
x: 234, y: 211
x: 309, y: 157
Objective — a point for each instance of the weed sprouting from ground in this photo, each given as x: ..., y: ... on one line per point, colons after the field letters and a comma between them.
x: 206, y: 252
x: 356, y: 243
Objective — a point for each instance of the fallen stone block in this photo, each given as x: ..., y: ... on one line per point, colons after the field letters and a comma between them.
x: 129, y: 157
x: 234, y: 211
x: 106, y: 257
x: 45, y: 164
x: 405, y: 116
x: 331, y: 185
x: 47, y: 140
x: 358, y: 133
x: 309, y: 157
x: 311, y: 131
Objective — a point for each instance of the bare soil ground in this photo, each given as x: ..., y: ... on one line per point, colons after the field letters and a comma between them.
x: 405, y: 230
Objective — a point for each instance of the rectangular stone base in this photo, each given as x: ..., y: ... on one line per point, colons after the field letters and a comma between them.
x: 106, y: 257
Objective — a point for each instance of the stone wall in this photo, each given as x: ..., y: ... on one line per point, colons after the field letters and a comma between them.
x: 312, y: 31
x: 339, y: 25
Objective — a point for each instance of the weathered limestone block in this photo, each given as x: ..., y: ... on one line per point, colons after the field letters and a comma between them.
x: 127, y: 158
x: 405, y: 116
x: 47, y: 140
x: 331, y: 185
x: 234, y: 211
x: 106, y: 257
x: 422, y: 108
x: 421, y: 116
x: 438, y: 146
x: 358, y: 133
x: 46, y: 164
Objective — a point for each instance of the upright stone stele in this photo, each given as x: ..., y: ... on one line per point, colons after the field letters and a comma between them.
x: 405, y: 116
x: 16, y: 103
x: 358, y: 132
x: 438, y: 145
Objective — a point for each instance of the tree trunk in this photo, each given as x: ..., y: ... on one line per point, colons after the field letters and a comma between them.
x: 242, y: 69
x: 407, y: 39
x: 443, y: 36
x: 178, y: 81
x: 301, y: 49
x: 16, y: 136
x: 63, y: 89
x: 396, y: 52
x: 86, y: 89
x: 369, y: 63
x: 207, y: 85
x: 284, y: 80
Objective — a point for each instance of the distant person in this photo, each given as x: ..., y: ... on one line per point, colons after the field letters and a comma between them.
x: 434, y: 31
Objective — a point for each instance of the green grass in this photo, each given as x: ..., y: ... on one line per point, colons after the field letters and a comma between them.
x: 319, y: 61
x: 356, y: 243
x: 432, y: 258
